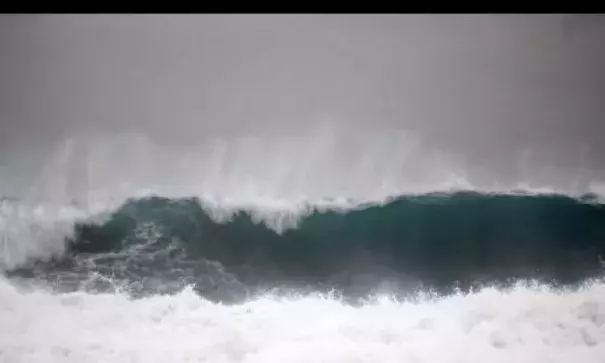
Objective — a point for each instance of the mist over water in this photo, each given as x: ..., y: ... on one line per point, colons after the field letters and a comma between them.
x: 242, y: 188
x: 498, y: 92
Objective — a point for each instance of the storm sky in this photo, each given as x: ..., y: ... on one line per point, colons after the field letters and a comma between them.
x: 486, y: 87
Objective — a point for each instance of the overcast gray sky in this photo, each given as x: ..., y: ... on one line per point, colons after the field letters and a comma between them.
x: 485, y: 87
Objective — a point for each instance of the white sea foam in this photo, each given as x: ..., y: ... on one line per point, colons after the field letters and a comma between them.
x: 521, y: 325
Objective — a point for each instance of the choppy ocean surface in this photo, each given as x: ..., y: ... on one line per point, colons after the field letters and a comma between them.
x: 365, y: 189
x: 433, y: 277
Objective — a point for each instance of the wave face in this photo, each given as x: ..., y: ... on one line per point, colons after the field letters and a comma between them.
x: 441, y: 241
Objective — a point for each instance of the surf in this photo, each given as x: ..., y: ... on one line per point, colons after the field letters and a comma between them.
x: 523, y: 323
x: 442, y: 241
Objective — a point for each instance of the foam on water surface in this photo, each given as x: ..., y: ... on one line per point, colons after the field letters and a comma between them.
x: 523, y: 324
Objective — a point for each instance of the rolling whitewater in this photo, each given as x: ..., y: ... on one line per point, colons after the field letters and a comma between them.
x: 483, y: 276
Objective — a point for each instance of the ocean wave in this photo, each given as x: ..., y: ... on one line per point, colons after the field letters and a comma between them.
x: 438, y: 239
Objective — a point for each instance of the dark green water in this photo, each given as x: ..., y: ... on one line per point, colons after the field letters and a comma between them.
x: 436, y: 240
